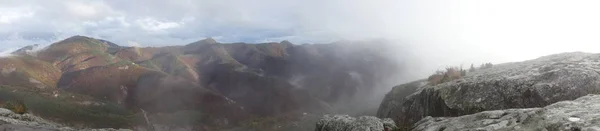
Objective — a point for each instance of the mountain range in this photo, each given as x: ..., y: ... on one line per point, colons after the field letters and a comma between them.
x: 230, y: 83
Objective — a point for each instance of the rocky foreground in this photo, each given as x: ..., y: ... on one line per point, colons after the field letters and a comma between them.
x: 10, y: 121
x: 582, y: 114
x: 528, y: 84
x: 347, y: 123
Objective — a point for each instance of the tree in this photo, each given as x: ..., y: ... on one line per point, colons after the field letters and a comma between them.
x: 472, y: 68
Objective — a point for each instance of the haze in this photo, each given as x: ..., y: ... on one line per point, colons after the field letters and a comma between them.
x: 438, y: 33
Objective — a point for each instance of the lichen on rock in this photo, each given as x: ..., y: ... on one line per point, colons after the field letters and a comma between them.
x: 348, y: 123
x: 28, y: 122
x: 579, y: 115
x: 528, y: 84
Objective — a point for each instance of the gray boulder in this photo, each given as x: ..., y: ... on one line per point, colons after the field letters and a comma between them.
x: 13, y: 120
x: 347, y: 123
x: 527, y: 84
x: 582, y: 114
x: 10, y: 121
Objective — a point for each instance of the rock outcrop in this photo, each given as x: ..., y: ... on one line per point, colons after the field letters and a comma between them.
x: 347, y: 123
x: 10, y: 121
x: 581, y: 114
x: 528, y: 84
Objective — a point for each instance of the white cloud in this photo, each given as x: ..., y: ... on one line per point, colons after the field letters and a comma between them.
x: 10, y: 15
x: 151, y: 24
x: 81, y: 9
x: 133, y: 44
x: 7, y: 52
x: 89, y: 10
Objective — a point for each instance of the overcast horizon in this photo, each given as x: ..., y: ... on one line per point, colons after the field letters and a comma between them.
x: 438, y: 33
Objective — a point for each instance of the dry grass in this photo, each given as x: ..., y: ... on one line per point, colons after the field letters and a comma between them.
x: 451, y: 73
x: 15, y: 106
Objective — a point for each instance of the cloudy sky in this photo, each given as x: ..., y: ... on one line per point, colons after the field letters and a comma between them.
x: 448, y: 32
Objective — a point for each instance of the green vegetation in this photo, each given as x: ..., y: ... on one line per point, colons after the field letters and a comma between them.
x: 148, y: 64
x: 93, y: 43
x: 99, y: 53
x: 262, y: 48
x: 179, y: 118
x: 261, y: 122
x: 268, y: 49
x: 64, y: 110
x: 169, y: 63
x: 122, y: 63
x: 61, y: 58
x: 282, y: 123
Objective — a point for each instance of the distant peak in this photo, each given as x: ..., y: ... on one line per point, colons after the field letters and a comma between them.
x: 77, y: 37
x: 110, y: 44
x: 286, y: 42
x: 74, y: 39
x: 208, y: 40
x: 26, y: 49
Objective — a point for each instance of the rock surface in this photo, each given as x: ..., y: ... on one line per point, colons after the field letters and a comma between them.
x: 528, y: 84
x: 347, y: 123
x: 10, y: 121
x: 582, y: 114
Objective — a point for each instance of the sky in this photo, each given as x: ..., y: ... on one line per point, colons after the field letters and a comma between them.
x: 437, y: 32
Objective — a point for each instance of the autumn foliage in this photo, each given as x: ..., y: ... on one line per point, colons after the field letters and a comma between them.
x: 451, y: 73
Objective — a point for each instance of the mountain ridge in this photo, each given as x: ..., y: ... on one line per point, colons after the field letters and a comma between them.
x: 231, y: 81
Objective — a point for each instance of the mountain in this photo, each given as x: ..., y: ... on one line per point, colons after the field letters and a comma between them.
x: 27, y: 50
x: 528, y: 84
x: 77, y: 53
x: 218, y: 85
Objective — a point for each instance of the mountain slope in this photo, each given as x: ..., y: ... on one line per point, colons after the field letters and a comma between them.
x: 28, y: 71
x: 171, y: 64
x: 231, y: 82
x: 107, y: 82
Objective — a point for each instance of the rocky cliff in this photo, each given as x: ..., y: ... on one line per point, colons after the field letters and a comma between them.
x: 527, y: 84
x: 578, y: 115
